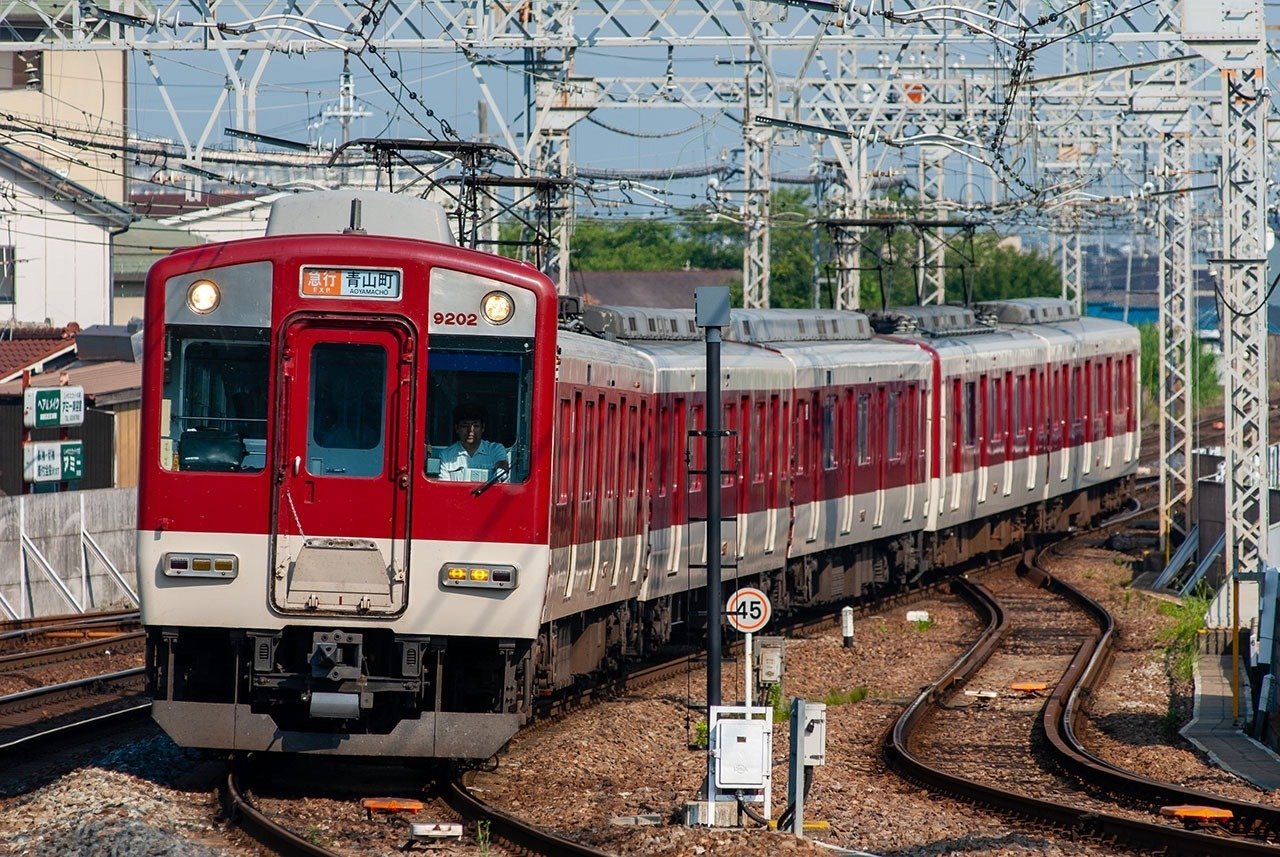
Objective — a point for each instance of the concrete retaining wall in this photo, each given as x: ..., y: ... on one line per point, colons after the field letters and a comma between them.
x: 49, y: 552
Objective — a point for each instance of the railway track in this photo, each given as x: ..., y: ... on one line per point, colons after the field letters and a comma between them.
x: 458, y: 800
x: 1102, y: 801
x: 489, y: 831
x: 83, y: 623
x: 40, y: 708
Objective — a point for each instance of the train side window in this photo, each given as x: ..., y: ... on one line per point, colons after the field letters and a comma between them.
x: 214, y: 413
x: 801, y: 437
x: 565, y: 433
x: 863, y: 423
x: 493, y: 375
x: 729, y: 445
x: 590, y: 452
x: 665, y: 453
x: 970, y: 413
x: 892, y: 415
x: 829, y: 433
x: 1019, y: 406
x: 759, y: 444
x: 995, y: 413
x: 698, y: 446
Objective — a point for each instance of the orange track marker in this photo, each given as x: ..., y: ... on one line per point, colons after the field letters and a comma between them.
x: 1193, y: 816
x: 1030, y: 686
x: 390, y: 804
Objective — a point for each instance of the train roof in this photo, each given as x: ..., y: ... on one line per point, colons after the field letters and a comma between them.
x: 1029, y: 310
x: 757, y: 326
x: 361, y: 211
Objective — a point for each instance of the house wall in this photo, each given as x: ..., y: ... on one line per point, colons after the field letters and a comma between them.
x: 128, y: 436
x: 63, y: 269
x: 76, y: 85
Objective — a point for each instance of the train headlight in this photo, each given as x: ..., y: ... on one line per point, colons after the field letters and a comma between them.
x: 498, y: 307
x: 203, y: 297
x: 477, y: 575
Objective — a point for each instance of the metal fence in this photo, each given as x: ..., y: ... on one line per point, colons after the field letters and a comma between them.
x: 70, y: 552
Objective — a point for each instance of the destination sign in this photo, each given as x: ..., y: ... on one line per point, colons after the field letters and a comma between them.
x: 373, y: 283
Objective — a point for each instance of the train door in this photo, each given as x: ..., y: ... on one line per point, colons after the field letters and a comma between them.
x: 340, y: 529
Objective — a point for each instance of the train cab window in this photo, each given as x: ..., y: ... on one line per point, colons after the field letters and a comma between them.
x: 492, y: 376
x: 214, y: 413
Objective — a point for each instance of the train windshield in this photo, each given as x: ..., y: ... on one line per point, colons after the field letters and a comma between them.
x: 214, y: 414
x: 479, y: 400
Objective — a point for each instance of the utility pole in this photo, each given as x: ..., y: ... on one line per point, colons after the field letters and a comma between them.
x: 346, y: 110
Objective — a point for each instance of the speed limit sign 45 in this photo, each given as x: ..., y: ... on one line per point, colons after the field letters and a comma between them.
x: 748, y: 610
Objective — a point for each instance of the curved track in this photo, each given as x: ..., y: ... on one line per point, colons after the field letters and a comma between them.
x: 1061, y: 713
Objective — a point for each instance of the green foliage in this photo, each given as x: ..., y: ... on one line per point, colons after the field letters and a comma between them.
x: 781, y: 708
x: 1182, y: 635
x: 923, y: 624
x: 1205, y: 384
x: 701, y: 737
x: 889, y: 261
x: 845, y: 697
x: 651, y: 245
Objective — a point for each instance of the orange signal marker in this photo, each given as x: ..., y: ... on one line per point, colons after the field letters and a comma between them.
x: 1193, y: 815
x: 390, y: 804
x: 1029, y: 686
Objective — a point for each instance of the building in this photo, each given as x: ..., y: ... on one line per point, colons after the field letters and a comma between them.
x: 55, y: 245
x: 65, y: 109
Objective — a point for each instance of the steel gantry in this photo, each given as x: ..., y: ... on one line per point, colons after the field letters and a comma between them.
x: 1231, y: 36
x: 1176, y: 329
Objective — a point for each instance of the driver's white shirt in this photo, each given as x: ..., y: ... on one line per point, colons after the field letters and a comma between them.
x: 457, y: 465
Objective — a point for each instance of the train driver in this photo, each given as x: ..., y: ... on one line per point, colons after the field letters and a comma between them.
x: 471, y: 458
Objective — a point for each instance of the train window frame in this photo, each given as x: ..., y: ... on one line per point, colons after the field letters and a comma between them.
x: 480, y: 371
x: 213, y: 445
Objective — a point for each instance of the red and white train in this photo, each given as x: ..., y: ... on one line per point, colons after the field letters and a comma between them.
x: 311, y: 582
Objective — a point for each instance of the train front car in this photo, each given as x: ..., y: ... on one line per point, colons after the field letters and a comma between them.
x: 343, y: 508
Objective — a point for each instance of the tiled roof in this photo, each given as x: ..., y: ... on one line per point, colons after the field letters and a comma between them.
x: 28, y: 346
x: 103, y: 383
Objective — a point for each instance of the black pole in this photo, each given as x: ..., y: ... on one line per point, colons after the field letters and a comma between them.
x: 711, y: 312
x: 713, y: 516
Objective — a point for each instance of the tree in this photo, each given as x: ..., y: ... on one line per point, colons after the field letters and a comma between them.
x: 1206, y: 387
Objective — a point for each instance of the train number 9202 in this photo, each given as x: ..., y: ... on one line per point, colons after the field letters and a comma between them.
x: 462, y: 319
